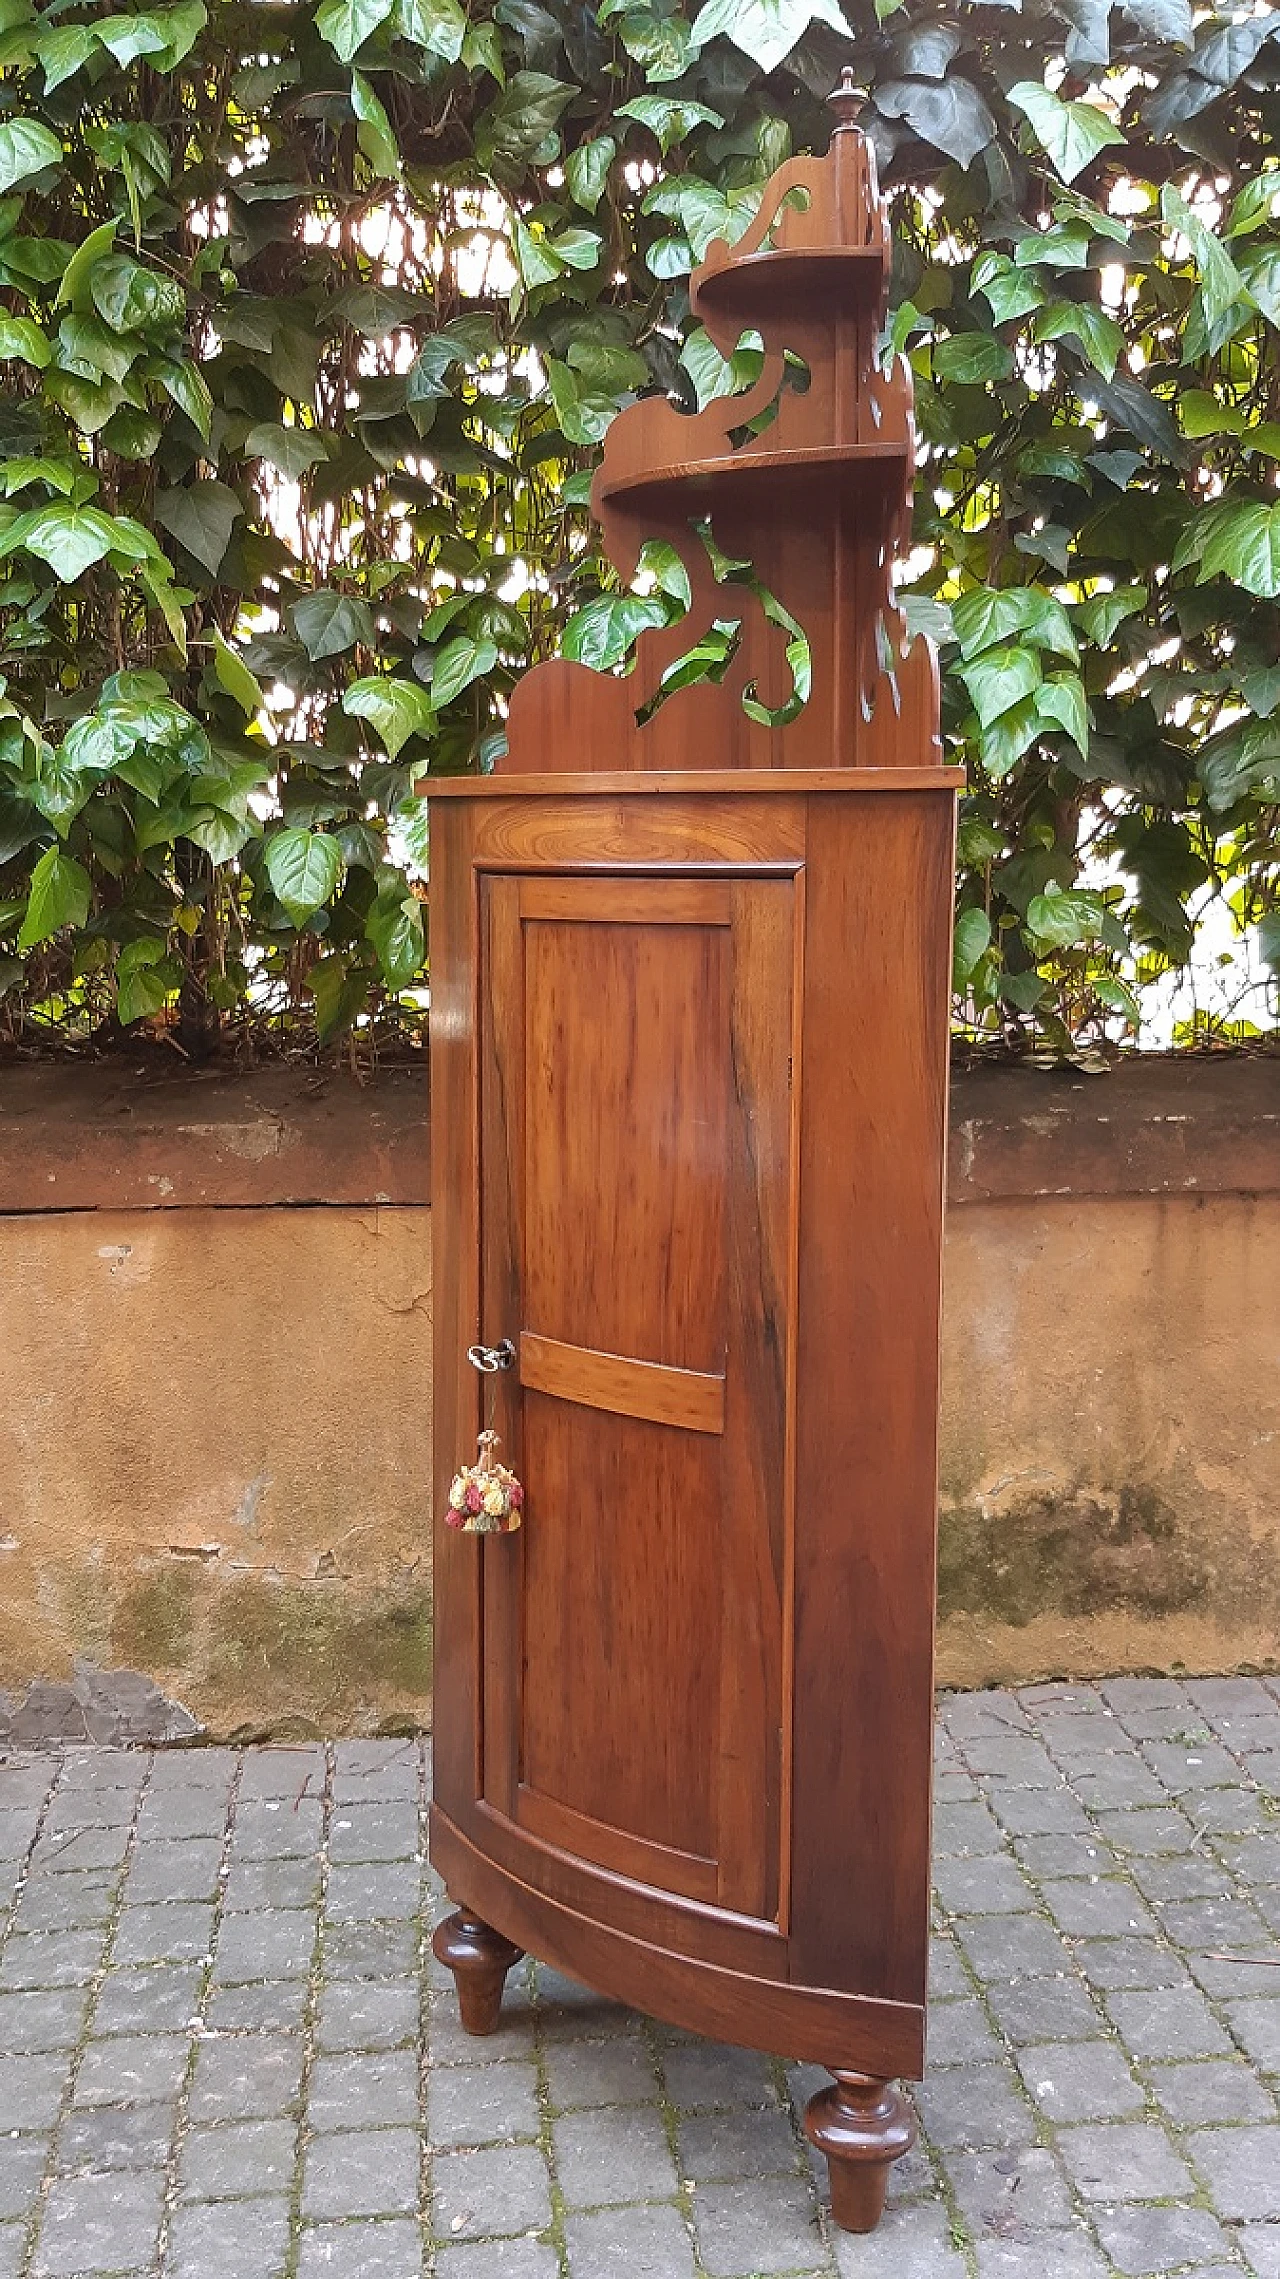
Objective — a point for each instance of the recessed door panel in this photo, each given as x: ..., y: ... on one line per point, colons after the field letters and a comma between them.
x: 637, y: 1239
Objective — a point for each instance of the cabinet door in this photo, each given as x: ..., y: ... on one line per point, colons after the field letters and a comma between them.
x: 637, y: 1236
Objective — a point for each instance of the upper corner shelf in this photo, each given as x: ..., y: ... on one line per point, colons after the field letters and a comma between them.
x: 759, y: 474
x: 805, y: 281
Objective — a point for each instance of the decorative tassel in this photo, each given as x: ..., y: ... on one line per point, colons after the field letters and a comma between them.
x: 486, y: 1498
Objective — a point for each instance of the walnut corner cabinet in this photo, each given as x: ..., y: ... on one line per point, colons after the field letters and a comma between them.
x: 690, y: 954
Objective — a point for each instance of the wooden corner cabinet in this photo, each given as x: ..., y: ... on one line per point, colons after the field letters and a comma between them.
x: 690, y: 952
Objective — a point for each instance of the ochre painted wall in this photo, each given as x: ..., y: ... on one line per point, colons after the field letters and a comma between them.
x: 215, y: 1431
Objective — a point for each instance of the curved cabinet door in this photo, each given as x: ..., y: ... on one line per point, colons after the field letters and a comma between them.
x: 636, y: 1188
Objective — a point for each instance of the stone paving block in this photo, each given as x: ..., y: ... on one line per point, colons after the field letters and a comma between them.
x: 1080, y: 2081
x: 1260, y: 2246
x: 1202, y: 1765
x: 1256, y: 2026
x: 757, y: 2224
x: 22, y: 2164
x: 483, y: 2104
x: 632, y: 2243
x: 713, y: 2073
x: 172, y: 1870
x: 237, y: 2160
x: 118, y: 2136
x: 276, y: 1831
x: 368, y: 2014
x: 391, y: 2249
x: 186, y: 1769
x: 947, y: 1974
x: 80, y: 1848
x: 1226, y: 1976
x: 914, y: 2242
x: 991, y: 1712
x: 173, y: 1813
x: 72, y: 1902
x: 246, y: 2077
x: 1167, y: 2022
x: 1074, y: 2257
x: 156, y: 2000
x: 1143, y: 2241
x: 132, y: 2068
x: 1238, y: 1811
x: 959, y: 2034
x: 32, y: 2089
x: 181, y: 1933
x: 49, y: 2020
x: 366, y: 2089
x: 489, y: 2193
x: 1255, y: 1859
x: 600, y: 2073
x: 715, y: 2147
x: 286, y: 1775
x: 371, y: 1950
x: 25, y: 1783
x: 1018, y: 1946
x: 1130, y: 2160
x: 965, y: 1828
x: 1152, y: 1834
x: 364, y: 2172
x: 389, y: 1831
x: 1003, y: 2193
x: 369, y: 1771
x: 229, y: 2239
x: 1106, y: 1783
x: 275, y: 2006
x: 276, y: 1943
x: 99, y: 2223
x: 1115, y: 1964
x: 89, y: 1808
x: 1216, y: 2090
x: 1107, y: 1909
x: 251, y: 1885
x: 499, y: 2259
x: 50, y: 1958
x: 1241, y: 2168
x: 567, y: 2010
x: 373, y: 1891
x: 1214, y: 1923
x: 1045, y: 2010
x: 1014, y: 1763
x: 1050, y: 1856
x: 991, y: 1884
x: 600, y: 2163
x: 974, y: 2109
x: 1190, y: 1876
x: 13, y: 2241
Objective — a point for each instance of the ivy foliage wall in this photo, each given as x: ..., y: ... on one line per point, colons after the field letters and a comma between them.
x: 312, y: 320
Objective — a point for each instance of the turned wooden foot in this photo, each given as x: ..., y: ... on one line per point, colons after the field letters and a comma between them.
x: 479, y: 1958
x: 863, y: 2126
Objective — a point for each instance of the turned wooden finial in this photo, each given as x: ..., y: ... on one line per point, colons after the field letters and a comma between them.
x: 846, y: 101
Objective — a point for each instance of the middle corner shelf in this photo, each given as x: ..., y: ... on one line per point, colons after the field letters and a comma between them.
x: 759, y: 477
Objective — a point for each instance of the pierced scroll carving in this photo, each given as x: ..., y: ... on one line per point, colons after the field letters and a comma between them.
x: 818, y: 499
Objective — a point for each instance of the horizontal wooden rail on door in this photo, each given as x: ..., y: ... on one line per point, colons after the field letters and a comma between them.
x: 650, y: 1389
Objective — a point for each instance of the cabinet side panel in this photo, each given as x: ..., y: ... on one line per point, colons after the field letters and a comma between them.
x: 873, y: 1121
x: 455, y: 1236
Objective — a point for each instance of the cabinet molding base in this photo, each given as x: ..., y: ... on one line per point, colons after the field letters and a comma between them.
x: 816, y: 2024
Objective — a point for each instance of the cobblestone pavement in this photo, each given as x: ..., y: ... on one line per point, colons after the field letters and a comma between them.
x: 216, y: 1999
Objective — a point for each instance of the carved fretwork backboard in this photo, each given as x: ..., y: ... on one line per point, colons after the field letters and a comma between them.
x: 817, y: 497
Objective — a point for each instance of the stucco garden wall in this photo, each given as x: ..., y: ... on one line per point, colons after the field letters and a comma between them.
x: 215, y: 1425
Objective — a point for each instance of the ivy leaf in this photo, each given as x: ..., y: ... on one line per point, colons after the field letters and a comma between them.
x: 669, y: 118
x: 233, y: 675
x: 373, y: 129
x: 1101, y: 617
x: 952, y: 116
x: 766, y: 30
x: 998, y: 679
x: 438, y: 26
x: 76, y: 287
x: 600, y: 634
x: 189, y: 390
x: 22, y: 341
x: 131, y: 298
x: 396, y: 709
x: 60, y: 894
x: 518, y: 122
x: 460, y: 663
x: 328, y: 624
x: 201, y: 516
x: 989, y: 615
x: 972, y: 941
x: 26, y: 149
x: 1220, y: 280
x: 1062, y: 920
x: 141, y: 989
x: 69, y: 538
x: 347, y: 24
x: 394, y: 929
x: 1071, y: 133
x: 304, y: 868
x: 1011, y: 293
x: 587, y: 168
x: 969, y: 359
x: 1098, y: 334
x: 1244, y: 545
x: 293, y: 450
x: 1061, y: 700
x: 63, y: 51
